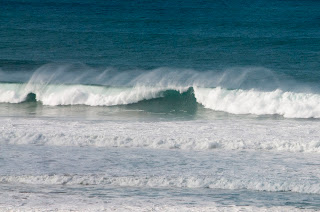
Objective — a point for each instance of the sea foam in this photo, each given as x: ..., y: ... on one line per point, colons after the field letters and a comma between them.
x: 272, y: 135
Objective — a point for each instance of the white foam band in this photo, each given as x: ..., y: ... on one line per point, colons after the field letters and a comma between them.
x: 212, y: 182
x: 289, y: 136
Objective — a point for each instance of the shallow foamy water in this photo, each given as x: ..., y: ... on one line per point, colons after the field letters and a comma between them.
x: 220, y: 165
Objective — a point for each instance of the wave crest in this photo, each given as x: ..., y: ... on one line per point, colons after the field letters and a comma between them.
x: 288, y: 104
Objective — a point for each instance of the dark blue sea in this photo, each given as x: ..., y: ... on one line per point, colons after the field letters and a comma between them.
x: 159, y: 105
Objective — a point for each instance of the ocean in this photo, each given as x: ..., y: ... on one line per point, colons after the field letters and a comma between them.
x: 159, y: 105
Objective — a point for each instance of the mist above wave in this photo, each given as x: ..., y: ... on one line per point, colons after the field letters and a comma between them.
x: 229, y: 78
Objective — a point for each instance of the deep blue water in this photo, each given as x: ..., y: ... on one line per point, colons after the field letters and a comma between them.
x: 283, y: 36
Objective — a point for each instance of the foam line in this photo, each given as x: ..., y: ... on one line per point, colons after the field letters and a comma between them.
x: 211, y: 182
x: 285, y: 136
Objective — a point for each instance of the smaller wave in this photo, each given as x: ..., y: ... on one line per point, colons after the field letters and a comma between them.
x: 211, y: 182
x: 288, y: 104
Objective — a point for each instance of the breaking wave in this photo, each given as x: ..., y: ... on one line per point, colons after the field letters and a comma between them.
x: 247, y: 90
x: 236, y: 101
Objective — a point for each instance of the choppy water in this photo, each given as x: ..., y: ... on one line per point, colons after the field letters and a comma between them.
x: 162, y: 105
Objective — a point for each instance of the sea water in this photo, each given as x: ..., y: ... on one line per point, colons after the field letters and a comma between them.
x: 159, y: 105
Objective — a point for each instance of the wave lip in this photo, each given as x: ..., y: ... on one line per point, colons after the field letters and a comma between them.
x: 211, y: 182
x: 287, y: 104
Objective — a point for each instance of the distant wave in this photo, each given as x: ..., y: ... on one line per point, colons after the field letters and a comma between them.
x: 236, y: 101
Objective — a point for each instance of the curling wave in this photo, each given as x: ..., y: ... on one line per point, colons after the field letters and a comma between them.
x: 90, y: 95
x: 236, y: 101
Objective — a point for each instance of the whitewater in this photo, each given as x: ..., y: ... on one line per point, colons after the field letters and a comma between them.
x: 220, y: 165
